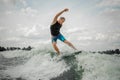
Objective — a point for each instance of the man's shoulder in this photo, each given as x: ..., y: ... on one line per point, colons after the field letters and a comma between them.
x: 53, y: 23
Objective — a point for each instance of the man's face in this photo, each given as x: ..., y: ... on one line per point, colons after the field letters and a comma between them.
x: 61, y: 21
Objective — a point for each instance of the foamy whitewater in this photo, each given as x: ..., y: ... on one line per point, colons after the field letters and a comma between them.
x: 38, y: 64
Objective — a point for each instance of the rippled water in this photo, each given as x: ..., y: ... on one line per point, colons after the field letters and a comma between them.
x: 39, y: 65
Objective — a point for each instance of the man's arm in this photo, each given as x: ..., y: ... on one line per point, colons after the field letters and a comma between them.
x: 58, y: 14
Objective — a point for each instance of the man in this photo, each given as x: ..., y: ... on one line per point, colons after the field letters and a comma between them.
x: 55, y: 31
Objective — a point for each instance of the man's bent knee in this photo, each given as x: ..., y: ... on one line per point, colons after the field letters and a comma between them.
x: 54, y: 43
x: 67, y: 42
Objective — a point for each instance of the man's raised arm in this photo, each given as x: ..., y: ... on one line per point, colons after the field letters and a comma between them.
x: 58, y: 14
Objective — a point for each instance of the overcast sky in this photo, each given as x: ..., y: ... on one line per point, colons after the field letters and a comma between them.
x: 90, y: 24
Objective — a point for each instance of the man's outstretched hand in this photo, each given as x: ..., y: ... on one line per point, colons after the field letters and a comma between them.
x: 58, y: 14
x: 66, y: 9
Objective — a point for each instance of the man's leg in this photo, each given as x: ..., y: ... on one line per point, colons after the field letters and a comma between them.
x: 69, y: 44
x: 55, y: 47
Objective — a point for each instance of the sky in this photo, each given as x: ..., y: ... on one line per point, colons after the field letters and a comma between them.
x: 89, y: 25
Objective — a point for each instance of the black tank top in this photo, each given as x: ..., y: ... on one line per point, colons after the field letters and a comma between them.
x: 55, y: 29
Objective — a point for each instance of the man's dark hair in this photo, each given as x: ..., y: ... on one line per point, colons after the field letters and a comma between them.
x: 62, y: 18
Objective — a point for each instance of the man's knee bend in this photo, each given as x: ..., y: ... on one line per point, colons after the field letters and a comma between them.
x: 69, y: 43
x: 54, y: 44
